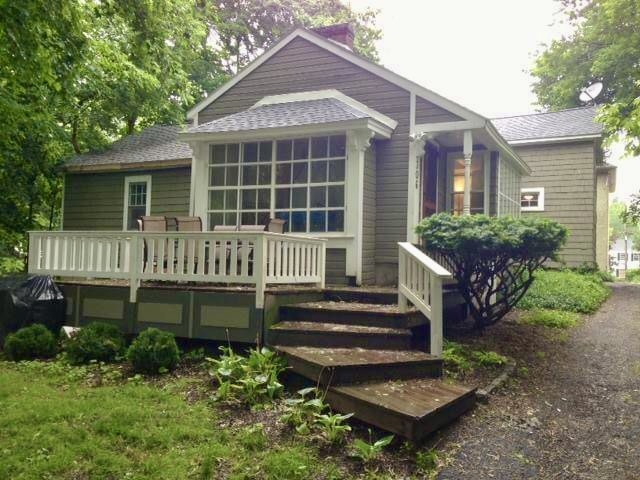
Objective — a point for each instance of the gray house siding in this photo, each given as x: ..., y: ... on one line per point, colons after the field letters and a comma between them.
x: 427, y: 112
x: 369, y: 219
x: 335, y: 267
x: 303, y: 66
x: 566, y: 171
x: 95, y: 201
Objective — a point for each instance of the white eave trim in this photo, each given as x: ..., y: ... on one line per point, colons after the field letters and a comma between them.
x: 348, y: 55
x: 533, y: 141
x: 331, y: 93
x: 380, y: 131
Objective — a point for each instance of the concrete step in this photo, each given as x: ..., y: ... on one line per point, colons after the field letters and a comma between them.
x: 352, y: 313
x: 411, y: 408
x: 339, y: 366
x: 319, y: 334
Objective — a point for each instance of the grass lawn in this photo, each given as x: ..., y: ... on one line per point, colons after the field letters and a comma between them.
x: 58, y: 422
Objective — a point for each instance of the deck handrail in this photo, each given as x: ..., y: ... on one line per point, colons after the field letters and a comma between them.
x: 420, y: 280
x: 254, y: 258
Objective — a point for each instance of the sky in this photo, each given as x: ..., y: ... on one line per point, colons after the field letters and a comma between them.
x: 477, y: 53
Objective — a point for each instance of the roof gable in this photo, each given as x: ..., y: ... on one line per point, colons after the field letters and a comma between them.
x: 452, y: 108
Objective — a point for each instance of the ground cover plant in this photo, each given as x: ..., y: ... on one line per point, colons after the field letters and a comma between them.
x: 633, y: 275
x: 492, y: 259
x: 565, y: 290
x: 460, y: 359
x: 35, y: 341
x: 550, y: 318
x: 97, y: 341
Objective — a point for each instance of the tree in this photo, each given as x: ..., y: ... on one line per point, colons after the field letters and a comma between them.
x: 605, y: 46
x: 492, y: 259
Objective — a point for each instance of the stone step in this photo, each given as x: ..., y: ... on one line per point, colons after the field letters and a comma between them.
x: 319, y: 334
x: 352, y: 313
x: 338, y: 366
x: 410, y: 408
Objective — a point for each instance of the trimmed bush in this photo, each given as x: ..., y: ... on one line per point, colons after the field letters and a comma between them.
x: 31, y: 342
x: 97, y: 341
x: 633, y: 275
x: 550, y: 318
x: 565, y: 290
x: 154, y: 351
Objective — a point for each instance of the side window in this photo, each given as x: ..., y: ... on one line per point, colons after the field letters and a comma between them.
x: 137, y: 200
x: 532, y: 199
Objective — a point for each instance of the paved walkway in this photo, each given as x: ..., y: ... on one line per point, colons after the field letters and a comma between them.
x: 576, y: 416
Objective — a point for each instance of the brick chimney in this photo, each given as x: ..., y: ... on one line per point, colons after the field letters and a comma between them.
x: 342, y: 33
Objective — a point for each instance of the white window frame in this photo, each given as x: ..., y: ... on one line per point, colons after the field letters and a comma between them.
x: 486, y: 173
x: 135, y: 179
x: 540, y: 192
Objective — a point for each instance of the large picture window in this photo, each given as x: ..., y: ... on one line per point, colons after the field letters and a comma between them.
x: 458, y: 185
x: 301, y: 181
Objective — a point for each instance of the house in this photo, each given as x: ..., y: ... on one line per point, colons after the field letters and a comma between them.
x: 570, y: 181
x: 623, y: 256
x: 351, y: 156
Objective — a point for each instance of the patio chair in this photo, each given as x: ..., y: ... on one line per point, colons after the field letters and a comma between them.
x: 189, y: 224
x: 153, y: 224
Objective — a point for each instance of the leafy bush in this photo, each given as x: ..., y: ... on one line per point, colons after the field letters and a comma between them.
x: 35, y: 341
x: 492, y: 259
x: 633, y: 275
x: 154, y: 351
x: 368, y: 451
x: 592, y: 269
x: 301, y: 411
x: 252, y: 380
x: 565, y: 290
x: 97, y: 341
x: 332, y: 426
x: 550, y: 318
x: 427, y: 462
x: 489, y: 358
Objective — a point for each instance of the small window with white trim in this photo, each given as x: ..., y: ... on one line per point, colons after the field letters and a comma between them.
x: 532, y: 199
x: 137, y: 200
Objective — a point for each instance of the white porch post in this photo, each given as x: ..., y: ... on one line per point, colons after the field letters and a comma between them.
x: 358, y: 142
x: 467, y: 151
x: 416, y: 147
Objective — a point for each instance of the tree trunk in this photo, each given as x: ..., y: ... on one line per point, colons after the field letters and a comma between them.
x: 131, y: 124
x: 74, y: 136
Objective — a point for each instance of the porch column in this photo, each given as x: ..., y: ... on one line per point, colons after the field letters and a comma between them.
x: 467, y: 151
x: 358, y: 142
x: 414, y: 195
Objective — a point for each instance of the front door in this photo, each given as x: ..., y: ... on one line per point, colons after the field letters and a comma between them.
x: 430, y: 181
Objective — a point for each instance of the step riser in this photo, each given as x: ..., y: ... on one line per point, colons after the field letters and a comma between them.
x: 398, y: 423
x: 351, y: 318
x: 339, y: 340
x: 361, y: 297
x: 342, y: 375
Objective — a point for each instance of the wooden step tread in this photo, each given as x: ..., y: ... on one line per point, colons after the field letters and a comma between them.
x: 350, y: 307
x: 332, y: 357
x: 338, y: 328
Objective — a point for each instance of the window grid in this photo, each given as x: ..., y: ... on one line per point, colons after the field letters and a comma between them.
x: 299, y: 180
x: 138, y: 194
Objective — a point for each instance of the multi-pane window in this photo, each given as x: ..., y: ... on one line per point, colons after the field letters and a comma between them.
x: 532, y: 199
x: 136, y: 203
x: 622, y: 257
x: 635, y: 257
x: 477, y: 186
x: 301, y: 181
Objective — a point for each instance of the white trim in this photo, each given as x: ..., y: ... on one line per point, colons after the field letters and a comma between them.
x: 448, y: 126
x: 487, y: 182
x: 381, y: 131
x: 134, y: 179
x: 64, y: 187
x: 330, y: 93
x: 348, y: 55
x: 554, y: 139
x: 540, y: 192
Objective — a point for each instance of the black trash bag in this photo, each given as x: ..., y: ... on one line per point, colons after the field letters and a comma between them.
x: 37, y: 300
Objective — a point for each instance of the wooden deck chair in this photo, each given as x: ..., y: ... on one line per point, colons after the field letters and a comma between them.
x: 153, y: 224
x: 189, y: 224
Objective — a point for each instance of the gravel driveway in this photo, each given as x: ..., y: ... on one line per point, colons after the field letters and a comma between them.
x: 574, y: 411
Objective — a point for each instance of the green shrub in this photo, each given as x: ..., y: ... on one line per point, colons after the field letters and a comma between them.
x: 31, y: 342
x: 550, y: 318
x: 97, y: 341
x: 489, y: 358
x: 368, y: 451
x: 633, y: 275
x: 565, y: 290
x: 492, y: 259
x: 154, y: 351
x: 459, y: 358
x: 592, y: 269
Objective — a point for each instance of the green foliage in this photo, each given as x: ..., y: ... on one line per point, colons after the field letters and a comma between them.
x: 460, y: 359
x: 35, y: 341
x: 252, y: 380
x: 332, y: 426
x: 97, y: 341
x: 492, y: 259
x: 604, y: 47
x: 550, y: 318
x: 153, y: 351
x: 633, y: 275
x: 632, y: 216
x: 427, y: 461
x: 301, y: 411
x: 565, y: 290
x: 197, y: 355
x: 369, y: 451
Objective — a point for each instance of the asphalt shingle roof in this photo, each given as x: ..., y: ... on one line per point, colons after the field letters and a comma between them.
x: 290, y: 114
x: 565, y: 123
x: 156, y: 143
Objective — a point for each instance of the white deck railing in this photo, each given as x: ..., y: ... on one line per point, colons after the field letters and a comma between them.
x: 420, y: 280
x: 256, y: 259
